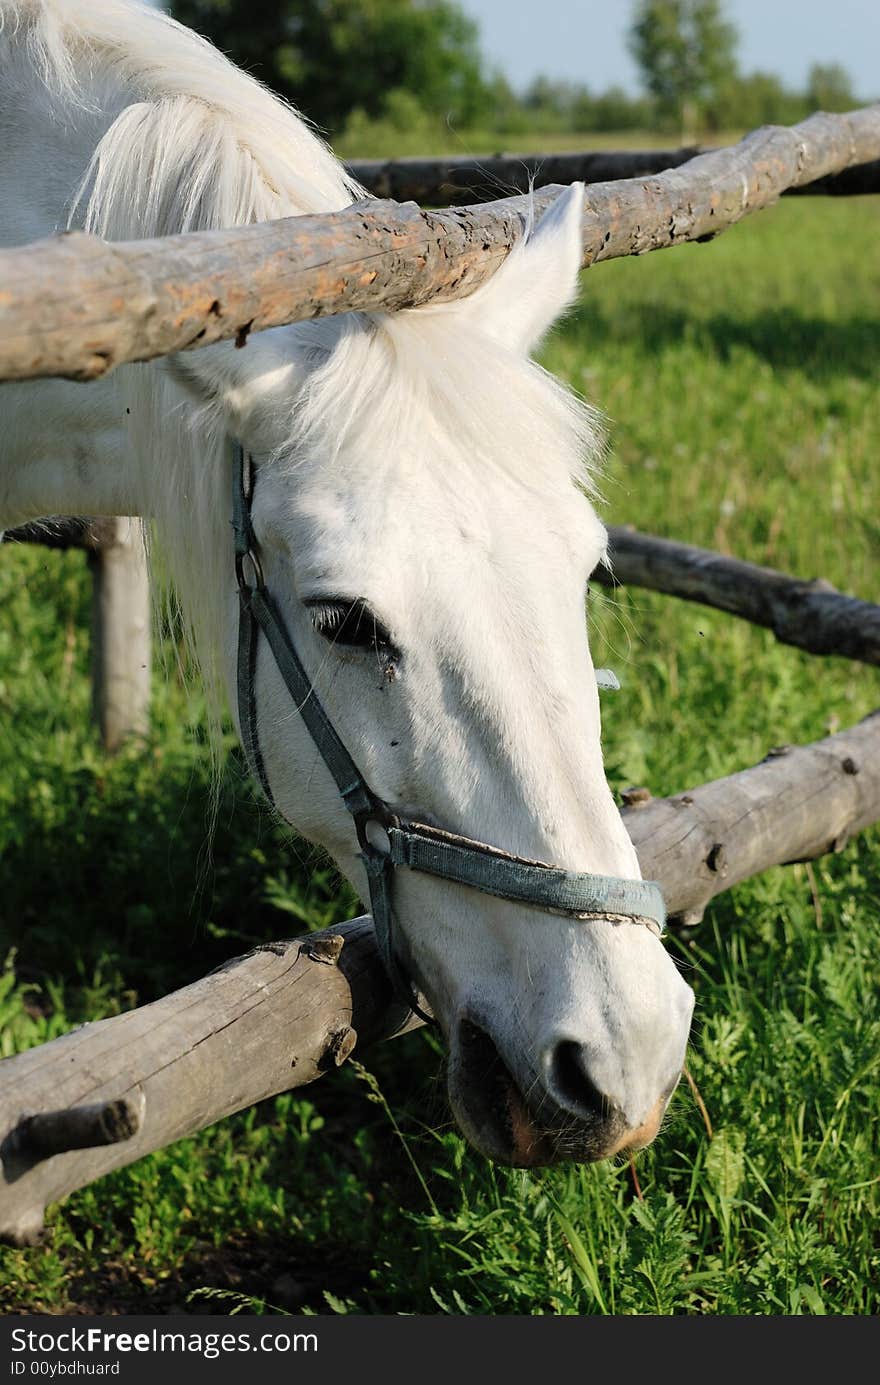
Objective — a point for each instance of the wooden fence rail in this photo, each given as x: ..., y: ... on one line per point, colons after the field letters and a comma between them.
x: 76, y: 306
x: 454, y: 181
x: 457, y: 181
x: 108, y: 1093
x: 811, y: 615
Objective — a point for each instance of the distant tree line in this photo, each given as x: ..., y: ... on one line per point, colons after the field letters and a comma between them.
x: 407, y: 66
x: 735, y: 101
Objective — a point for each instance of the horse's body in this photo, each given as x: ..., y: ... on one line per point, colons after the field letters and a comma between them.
x: 420, y: 465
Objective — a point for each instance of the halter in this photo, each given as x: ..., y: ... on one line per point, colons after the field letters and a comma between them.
x: 387, y: 840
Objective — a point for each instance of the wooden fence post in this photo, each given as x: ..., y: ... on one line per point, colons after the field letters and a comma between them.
x: 120, y: 632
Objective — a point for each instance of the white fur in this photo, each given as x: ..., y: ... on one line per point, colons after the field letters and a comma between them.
x: 421, y: 461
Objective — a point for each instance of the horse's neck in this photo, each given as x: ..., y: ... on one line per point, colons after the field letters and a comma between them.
x: 61, y: 443
x: 46, y: 142
x: 65, y: 448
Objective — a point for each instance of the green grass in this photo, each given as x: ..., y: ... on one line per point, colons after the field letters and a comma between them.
x: 382, y: 139
x: 739, y: 381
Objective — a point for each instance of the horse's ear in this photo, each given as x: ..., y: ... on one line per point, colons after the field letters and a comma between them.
x: 537, y: 281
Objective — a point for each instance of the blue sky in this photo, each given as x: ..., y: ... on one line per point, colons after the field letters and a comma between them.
x: 585, y: 40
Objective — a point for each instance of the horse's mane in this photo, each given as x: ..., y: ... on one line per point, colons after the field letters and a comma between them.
x: 195, y: 143
x: 202, y: 144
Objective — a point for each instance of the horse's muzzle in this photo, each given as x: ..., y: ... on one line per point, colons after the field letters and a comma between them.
x: 561, y: 1116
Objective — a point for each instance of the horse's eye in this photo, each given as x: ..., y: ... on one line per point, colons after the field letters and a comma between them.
x: 351, y: 624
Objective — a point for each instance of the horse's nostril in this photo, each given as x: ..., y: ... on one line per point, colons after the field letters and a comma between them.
x: 572, y: 1085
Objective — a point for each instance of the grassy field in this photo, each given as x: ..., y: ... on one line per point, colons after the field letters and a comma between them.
x: 739, y: 380
x: 379, y: 139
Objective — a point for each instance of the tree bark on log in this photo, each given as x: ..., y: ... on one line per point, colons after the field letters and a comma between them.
x: 453, y: 182
x: 289, y: 1011
x: 76, y: 306
x: 811, y: 615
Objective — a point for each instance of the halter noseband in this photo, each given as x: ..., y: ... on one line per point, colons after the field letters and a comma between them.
x: 388, y: 841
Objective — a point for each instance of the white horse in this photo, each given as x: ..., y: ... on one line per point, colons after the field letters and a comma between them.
x: 425, y: 525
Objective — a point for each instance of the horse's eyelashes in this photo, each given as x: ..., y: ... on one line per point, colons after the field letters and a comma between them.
x: 351, y: 624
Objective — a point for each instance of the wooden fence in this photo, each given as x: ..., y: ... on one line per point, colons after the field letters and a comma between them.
x: 121, y: 647
x: 110, y: 1092
x: 453, y: 181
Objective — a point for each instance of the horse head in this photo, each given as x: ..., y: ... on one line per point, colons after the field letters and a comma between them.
x: 426, y: 528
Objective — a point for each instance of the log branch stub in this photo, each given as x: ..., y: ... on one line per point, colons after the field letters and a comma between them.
x: 340, y: 1045
x: 325, y: 947
x: 78, y: 1127
x: 717, y: 859
x: 810, y: 615
x: 77, y: 307
x: 635, y: 797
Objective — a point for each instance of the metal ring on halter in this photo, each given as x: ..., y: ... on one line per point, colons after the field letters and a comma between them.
x: 259, y: 582
x: 381, y: 817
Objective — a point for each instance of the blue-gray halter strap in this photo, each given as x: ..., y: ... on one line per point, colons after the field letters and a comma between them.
x: 388, y: 841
